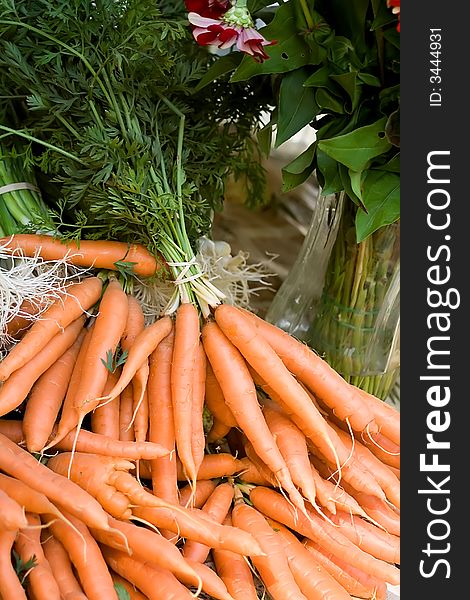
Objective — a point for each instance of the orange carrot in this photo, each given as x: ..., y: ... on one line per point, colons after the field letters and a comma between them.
x: 250, y: 473
x: 99, y: 254
x: 264, y: 360
x: 154, y: 582
x: 20, y: 464
x: 41, y: 583
x: 273, y: 505
x: 192, y: 526
x: 12, y: 516
x: 293, y: 447
x: 29, y: 309
x: 215, y: 400
x: 10, y: 586
x: 217, y: 507
x: 204, y: 489
x: 126, y: 403
x: 18, y: 385
x: 198, y: 440
x: 144, y: 344
x: 217, y: 431
x: 105, y: 419
x: 386, y: 417
x: 323, y: 380
x: 107, y: 332
x: 61, y: 566
x: 147, y: 546
x: 384, y: 449
x: 92, y: 443
x: 91, y: 568
x: 46, y: 397
x: 161, y: 423
x: 213, y: 466
x: 135, y: 323
x: 367, y: 536
x: 379, y: 511
x: 240, y: 395
x: 185, y: 349
x: 234, y: 572
x: 140, y: 406
x: 273, y: 568
x: 314, y: 581
x: 355, y: 581
x: 79, y: 298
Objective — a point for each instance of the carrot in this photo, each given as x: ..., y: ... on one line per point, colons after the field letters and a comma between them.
x: 367, y: 536
x: 217, y: 507
x: 17, y: 462
x: 41, y: 583
x: 29, y: 309
x: 212, y: 584
x: 126, y: 403
x: 10, y: 586
x: 135, y: 323
x: 250, y: 473
x: 68, y: 417
x: 105, y: 419
x: 99, y: 254
x: 215, y: 400
x: 332, y: 496
x: 217, y: 431
x: 273, y: 505
x: 213, y: 466
x: 107, y: 331
x: 379, y: 511
x: 140, y: 405
x: 198, y: 440
x: 192, y: 526
x: 293, y: 447
x: 154, y: 582
x: 240, y: 395
x: 386, y: 417
x: 234, y: 572
x: 61, y: 566
x: 133, y: 592
x: 161, y: 423
x: 314, y: 581
x: 148, y: 546
x: 78, y: 299
x: 323, y: 380
x: 386, y: 479
x: 92, y: 443
x: 185, y: 348
x: 273, y: 568
x: 204, y: 489
x: 260, y: 466
x: 46, y: 397
x: 90, y: 566
x: 264, y: 360
x: 384, y: 449
x: 12, y: 516
x: 18, y: 385
x: 356, y: 582
x: 349, y: 469
x: 144, y: 344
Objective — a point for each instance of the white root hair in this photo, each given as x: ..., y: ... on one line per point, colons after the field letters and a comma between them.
x: 32, y: 281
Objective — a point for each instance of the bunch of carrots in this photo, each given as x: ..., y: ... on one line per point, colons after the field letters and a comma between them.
x: 110, y: 481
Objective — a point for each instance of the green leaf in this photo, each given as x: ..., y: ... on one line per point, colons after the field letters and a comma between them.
x: 356, y: 149
x: 348, y: 81
x: 356, y: 181
x: 381, y: 196
x: 121, y: 592
x: 293, y: 180
x: 109, y: 362
x: 22, y: 569
x: 223, y: 65
x: 393, y: 165
x: 113, y: 361
x: 299, y: 169
x: 329, y: 170
x: 297, y: 106
x: 288, y: 53
x: 369, y: 79
x: 349, y: 18
x: 327, y: 100
x: 265, y: 137
x: 125, y: 267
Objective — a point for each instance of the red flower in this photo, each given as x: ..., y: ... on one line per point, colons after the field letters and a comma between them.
x: 395, y: 6
x: 212, y: 32
x: 252, y: 42
x: 208, y: 8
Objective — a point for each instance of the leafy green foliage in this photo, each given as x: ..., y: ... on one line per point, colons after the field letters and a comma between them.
x: 23, y: 569
x: 99, y: 91
x: 114, y: 360
x: 121, y: 592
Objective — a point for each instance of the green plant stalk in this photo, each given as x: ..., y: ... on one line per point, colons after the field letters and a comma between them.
x: 354, y: 290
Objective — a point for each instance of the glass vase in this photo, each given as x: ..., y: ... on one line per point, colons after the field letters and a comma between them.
x: 343, y: 298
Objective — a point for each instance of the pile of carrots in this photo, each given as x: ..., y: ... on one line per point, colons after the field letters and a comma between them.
x: 111, y: 480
